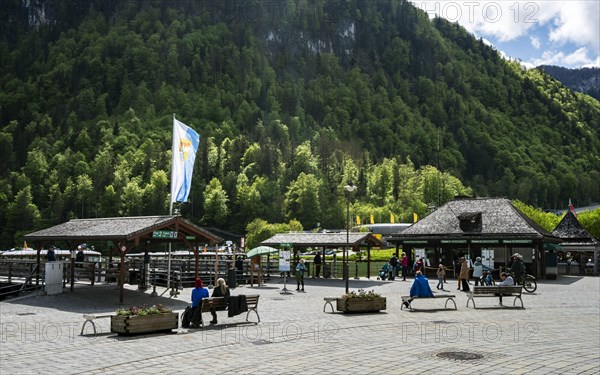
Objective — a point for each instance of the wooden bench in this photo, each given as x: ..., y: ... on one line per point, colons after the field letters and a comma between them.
x: 448, y: 297
x: 90, y: 318
x: 221, y: 303
x: 495, y: 291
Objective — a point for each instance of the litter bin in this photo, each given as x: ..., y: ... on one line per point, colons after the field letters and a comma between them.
x: 326, y: 271
x: 133, y: 277
x: 232, y: 277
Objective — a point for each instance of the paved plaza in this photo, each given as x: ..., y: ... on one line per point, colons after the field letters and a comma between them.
x: 558, y: 332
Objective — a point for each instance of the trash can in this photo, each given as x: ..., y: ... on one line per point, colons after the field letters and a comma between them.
x: 232, y: 277
x: 133, y: 277
x: 326, y: 271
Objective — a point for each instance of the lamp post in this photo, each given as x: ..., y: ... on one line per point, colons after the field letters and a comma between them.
x: 349, y: 189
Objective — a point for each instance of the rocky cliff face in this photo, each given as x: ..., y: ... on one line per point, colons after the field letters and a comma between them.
x: 584, y: 80
x: 40, y: 12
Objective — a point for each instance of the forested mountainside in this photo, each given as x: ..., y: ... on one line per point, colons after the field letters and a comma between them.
x: 584, y: 80
x: 291, y: 99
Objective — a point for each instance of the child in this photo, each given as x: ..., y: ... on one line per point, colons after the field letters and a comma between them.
x: 441, y: 273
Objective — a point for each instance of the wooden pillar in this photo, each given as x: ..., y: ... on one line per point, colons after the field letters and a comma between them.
x: 368, y: 261
x: 122, y: 274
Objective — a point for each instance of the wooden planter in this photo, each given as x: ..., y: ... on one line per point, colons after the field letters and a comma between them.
x: 134, y: 324
x: 361, y: 305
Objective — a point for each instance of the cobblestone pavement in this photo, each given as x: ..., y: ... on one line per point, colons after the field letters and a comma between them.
x: 558, y: 332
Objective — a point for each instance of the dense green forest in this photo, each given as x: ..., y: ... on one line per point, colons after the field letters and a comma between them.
x: 585, y: 80
x: 292, y: 99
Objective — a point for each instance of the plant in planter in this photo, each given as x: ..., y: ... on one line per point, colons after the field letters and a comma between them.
x: 144, y: 319
x: 361, y: 301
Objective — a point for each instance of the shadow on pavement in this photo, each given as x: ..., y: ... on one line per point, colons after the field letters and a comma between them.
x: 94, y: 299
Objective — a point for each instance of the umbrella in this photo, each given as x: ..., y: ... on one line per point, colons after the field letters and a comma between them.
x: 261, y: 250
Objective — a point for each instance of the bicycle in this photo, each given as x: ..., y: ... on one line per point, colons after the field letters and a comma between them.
x: 528, y: 282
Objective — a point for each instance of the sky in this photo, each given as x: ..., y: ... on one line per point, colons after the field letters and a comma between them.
x: 563, y: 33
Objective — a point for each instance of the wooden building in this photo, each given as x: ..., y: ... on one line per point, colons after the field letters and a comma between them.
x: 584, y: 247
x: 492, y: 228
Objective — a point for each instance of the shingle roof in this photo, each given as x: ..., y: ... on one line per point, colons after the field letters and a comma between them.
x: 499, y: 219
x: 301, y: 239
x: 114, y: 228
x: 571, y: 230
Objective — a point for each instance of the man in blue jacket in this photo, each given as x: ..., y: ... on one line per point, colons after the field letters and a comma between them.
x: 420, y: 288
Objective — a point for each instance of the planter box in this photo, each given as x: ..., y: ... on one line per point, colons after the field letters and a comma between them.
x: 359, y: 305
x: 130, y: 325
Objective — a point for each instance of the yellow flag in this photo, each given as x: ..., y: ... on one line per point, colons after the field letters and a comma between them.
x: 357, y: 220
x: 372, y: 219
x: 204, y: 248
x: 391, y: 218
x: 415, y: 217
x: 25, y: 244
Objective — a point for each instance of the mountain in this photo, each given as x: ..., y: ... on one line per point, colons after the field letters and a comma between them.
x: 291, y: 98
x: 584, y: 80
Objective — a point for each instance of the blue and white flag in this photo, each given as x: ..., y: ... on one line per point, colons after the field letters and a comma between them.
x: 185, y: 145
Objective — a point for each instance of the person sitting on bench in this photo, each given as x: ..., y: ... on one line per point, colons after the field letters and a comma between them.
x: 420, y: 288
x: 220, y: 290
x: 507, y: 280
x: 198, y: 293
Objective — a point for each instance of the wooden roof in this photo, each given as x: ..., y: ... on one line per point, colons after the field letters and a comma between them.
x: 301, y: 239
x: 572, y: 232
x: 119, y: 229
x: 499, y: 220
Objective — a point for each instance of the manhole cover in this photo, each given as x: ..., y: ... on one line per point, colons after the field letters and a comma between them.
x: 460, y: 356
x: 25, y: 313
x: 262, y: 342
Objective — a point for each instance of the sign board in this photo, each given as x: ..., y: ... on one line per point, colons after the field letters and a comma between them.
x: 284, y: 260
x: 164, y: 234
x: 189, y: 238
x: 285, y: 245
x: 487, y: 257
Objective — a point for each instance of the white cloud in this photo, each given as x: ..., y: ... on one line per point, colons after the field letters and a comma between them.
x: 569, y: 21
x: 576, y: 59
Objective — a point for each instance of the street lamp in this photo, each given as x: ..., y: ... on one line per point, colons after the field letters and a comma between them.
x: 349, y: 189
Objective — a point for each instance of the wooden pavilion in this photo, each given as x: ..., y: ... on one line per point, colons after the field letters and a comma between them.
x: 303, y: 240
x: 471, y: 227
x: 125, y: 233
x: 577, y: 239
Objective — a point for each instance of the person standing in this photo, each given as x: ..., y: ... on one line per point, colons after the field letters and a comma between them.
x: 317, y: 261
x: 464, y: 274
x: 393, y: 267
x: 404, y: 263
x: 51, y: 255
x: 517, y: 268
x: 79, y: 257
x: 441, y: 273
x: 300, y: 269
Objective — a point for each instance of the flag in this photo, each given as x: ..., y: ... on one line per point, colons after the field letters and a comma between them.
x: 24, y: 244
x: 357, y: 220
x: 415, y: 217
x: 204, y: 248
x: 372, y: 219
x: 391, y: 218
x: 572, y: 208
x: 185, y: 145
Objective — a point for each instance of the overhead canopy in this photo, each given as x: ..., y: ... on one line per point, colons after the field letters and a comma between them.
x: 261, y: 250
x: 125, y: 233
x: 322, y: 239
x: 123, y: 229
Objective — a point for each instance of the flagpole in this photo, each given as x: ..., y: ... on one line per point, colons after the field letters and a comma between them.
x: 170, y: 210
